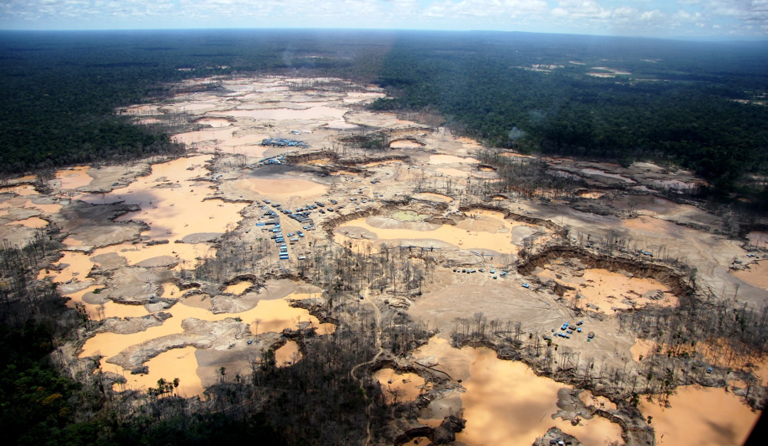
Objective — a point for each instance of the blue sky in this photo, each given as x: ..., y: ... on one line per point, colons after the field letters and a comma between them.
x: 653, y: 18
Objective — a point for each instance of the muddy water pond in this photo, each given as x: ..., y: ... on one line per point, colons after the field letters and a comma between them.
x: 177, y: 363
x: 493, y: 233
x: 108, y: 309
x: 505, y: 403
x: 186, y: 253
x: 266, y: 316
x: 607, y: 291
x: 31, y: 222
x: 402, y: 387
x: 756, y: 274
x: 701, y: 416
x: 22, y: 202
x: 451, y: 172
x: 23, y: 190
x: 288, y: 354
x: 73, y: 265
x: 238, y: 287
x: 74, y: 178
x: 173, y: 203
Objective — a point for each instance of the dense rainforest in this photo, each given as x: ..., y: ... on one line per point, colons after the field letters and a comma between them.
x: 673, y: 102
x: 59, y: 91
x: 622, y: 99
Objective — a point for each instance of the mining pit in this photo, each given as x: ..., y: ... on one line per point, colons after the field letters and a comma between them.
x: 503, y: 274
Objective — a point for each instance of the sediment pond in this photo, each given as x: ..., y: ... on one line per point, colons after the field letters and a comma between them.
x: 505, y: 403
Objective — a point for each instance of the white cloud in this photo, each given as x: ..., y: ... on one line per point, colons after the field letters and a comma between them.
x: 587, y: 16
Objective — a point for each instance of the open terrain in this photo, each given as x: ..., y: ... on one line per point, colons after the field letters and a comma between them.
x: 297, y: 215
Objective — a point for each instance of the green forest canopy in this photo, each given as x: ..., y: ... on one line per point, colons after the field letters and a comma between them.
x: 677, y: 104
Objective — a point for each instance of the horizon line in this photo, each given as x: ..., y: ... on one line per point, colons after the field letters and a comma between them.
x: 734, y: 39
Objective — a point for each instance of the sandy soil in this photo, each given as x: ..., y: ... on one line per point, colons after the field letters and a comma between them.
x: 456, y: 295
x: 418, y: 441
x: 429, y: 196
x: 173, y: 203
x: 449, y: 159
x: 642, y: 348
x: 213, y: 122
x: 313, y: 113
x: 405, y: 144
x: 601, y: 173
x: 281, y: 188
x: 759, y: 239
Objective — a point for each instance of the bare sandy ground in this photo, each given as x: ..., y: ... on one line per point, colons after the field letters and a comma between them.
x: 177, y: 201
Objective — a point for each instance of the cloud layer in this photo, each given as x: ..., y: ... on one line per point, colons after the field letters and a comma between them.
x: 680, y: 18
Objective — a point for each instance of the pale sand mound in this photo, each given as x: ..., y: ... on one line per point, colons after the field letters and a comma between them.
x: 450, y: 159
x: 391, y: 223
x: 201, y: 237
x: 428, y: 196
x: 451, y: 172
x: 482, y: 224
x: 356, y: 232
x: 160, y: 261
x: 284, y: 187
